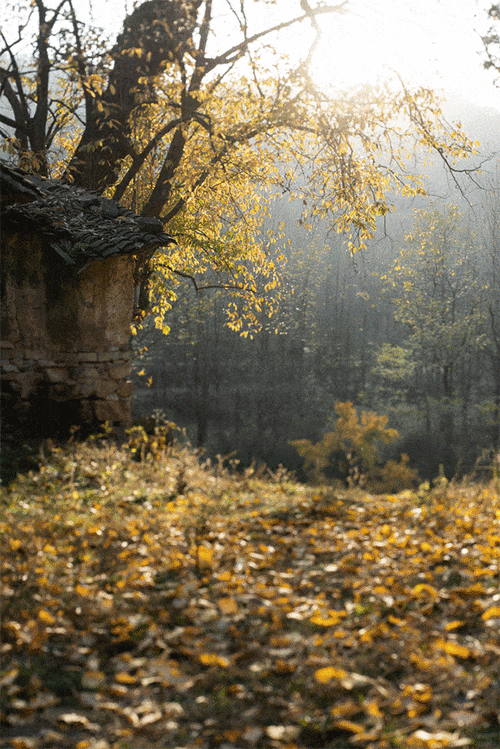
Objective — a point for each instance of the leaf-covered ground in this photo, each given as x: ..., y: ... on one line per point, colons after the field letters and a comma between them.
x: 166, y: 605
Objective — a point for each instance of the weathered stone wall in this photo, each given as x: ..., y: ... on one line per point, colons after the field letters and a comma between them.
x: 65, y: 338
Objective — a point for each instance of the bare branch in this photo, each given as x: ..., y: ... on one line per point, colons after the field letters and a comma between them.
x: 236, y: 52
x: 17, y: 100
x: 224, y: 286
x: 7, y: 121
x: 81, y: 67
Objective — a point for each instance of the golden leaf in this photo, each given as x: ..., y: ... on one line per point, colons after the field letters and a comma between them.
x: 325, y: 675
x: 81, y: 590
x: 421, y: 663
x: 348, y: 725
x: 211, y: 659
x: 228, y: 605
x: 93, y: 679
x: 123, y: 678
x: 454, y: 625
x: 491, y: 613
x: 334, y: 617
x: 373, y: 709
x: 348, y: 707
x: 452, y: 648
x: 204, y: 555
x: 44, y: 616
x: 424, y: 588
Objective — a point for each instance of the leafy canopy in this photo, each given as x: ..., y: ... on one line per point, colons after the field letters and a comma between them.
x: 203, y: 123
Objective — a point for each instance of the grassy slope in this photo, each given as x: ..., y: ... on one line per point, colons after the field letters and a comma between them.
x: 165, y: 605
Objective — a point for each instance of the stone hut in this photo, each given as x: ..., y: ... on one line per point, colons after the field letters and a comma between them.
x: 69, y: 280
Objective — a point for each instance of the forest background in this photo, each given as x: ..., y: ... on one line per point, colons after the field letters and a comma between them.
x: 409, y: 328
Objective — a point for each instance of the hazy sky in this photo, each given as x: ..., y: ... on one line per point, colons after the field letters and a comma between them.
x: 430, y: 42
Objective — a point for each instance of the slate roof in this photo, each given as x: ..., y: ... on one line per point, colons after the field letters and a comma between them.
x: 81, y: 225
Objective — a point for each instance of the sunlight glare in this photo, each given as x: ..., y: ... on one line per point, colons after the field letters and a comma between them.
x: 431, y: 43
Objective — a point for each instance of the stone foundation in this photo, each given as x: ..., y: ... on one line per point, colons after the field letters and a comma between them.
x: 47, y: 394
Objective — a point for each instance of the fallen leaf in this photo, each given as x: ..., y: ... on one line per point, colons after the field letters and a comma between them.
x: 283, y: 733
x: 124, y: 678
x: 211, y: 659
x: 228, y: 606
x: 75, y: 719
x: 93, y: 679
x: 424, y: 740
x: 325, y: 675
x: 491, y: 613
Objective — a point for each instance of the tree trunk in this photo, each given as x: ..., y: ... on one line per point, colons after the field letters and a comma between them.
x: 155, y: 33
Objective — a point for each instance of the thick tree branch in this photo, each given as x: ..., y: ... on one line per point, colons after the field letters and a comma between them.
x: 8, y: 121
x: 139, y: 159
x: 16, y: 99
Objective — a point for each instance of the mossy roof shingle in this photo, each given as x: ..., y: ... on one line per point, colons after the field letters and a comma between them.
x: 81, y: 225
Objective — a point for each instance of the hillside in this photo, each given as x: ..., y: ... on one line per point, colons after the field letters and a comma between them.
x: 160, y: 603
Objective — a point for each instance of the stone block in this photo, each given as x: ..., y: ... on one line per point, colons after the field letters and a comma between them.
x: 85, y: 388
x: 24, y: 383
x: 57, y: 374
x: 8, y: 367
x: 119, y: 371
x: 106, y: 389
x: 90, y: 373
x: 125, y: 390
x: 117, y: 411
x: 62, y: 391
